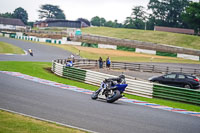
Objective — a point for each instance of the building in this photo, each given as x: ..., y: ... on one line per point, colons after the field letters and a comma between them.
x: 64, y: 23
x: 11, y: 24
x: 38, y: 24
x: 60, y: 23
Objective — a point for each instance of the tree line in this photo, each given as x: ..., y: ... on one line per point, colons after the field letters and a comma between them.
x: 170, y: 13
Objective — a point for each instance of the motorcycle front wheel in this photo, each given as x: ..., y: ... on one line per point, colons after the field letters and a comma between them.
x: 94, y: 95
x: 114, y: 96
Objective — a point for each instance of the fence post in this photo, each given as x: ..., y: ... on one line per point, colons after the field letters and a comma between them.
x: 96, y: 63
x: 167, y: 70
x: 139, y: 67
x: 153, y: 68
x: 195, y: 71
x: 125, y: 66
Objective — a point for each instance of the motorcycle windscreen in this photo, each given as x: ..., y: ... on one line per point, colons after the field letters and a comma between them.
x: 121, y: 87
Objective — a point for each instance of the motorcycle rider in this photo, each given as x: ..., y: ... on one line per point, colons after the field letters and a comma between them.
x: 30, y: 52
x: 115, y: 81
x: 112, y: 82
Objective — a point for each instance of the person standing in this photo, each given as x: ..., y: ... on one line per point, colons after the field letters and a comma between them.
x: 108, y: 62
x: 72, y: 58
x: 100, y: 62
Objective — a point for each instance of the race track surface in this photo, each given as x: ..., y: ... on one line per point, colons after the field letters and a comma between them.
x: 43, y: 53
x: 77, y: 109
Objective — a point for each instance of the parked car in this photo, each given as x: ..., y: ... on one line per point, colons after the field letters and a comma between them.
x: 178, y: 80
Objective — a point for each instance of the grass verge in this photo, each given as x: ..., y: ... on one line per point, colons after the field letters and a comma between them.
x: 116, y: 55
x: 181, y: 40
x: 9, y: 48
x: 14, y: 123
x: 37, y: 69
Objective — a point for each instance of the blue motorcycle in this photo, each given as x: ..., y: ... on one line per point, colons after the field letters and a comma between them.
x: 111, y: 89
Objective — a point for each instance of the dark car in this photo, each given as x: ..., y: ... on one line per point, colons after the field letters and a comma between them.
x: 178, y: 80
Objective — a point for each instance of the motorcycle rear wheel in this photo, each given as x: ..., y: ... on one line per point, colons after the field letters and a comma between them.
x: 114, y: 96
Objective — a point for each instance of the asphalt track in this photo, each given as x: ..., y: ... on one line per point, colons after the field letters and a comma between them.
x: 42, y: 53
x: 77, y: 109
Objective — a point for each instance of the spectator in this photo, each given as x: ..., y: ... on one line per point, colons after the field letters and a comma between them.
x: 72, y: 58
x: 100, y: 62
x: 108, y: 62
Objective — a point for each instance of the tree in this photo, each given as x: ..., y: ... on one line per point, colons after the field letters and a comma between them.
x: 168, y: 12
x: 109, y: 24
x: 137, y: 18
x: 102, y: 21
x: 20, y: 13
x: 6, y: 15
x: 192, y: 16
x: 138, y: 13
x: 30, y: 24
x: 51, y: 11
x: 129, y: 23
x: 95, y: 21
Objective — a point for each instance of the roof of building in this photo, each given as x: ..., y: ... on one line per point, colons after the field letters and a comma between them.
x: 60, y: 20
x: 11, y: 21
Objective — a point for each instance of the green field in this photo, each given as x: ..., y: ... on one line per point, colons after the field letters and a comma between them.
x: 182, y: 40
x: 9, y: 48
x: 13, y: 123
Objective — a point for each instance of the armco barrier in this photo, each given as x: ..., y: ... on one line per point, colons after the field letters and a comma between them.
x: 86, y: 63
x: 74, y: 73
x: 176, y: 94
x: 139, y: 88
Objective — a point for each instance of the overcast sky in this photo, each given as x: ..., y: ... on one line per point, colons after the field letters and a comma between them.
x: 73, y: 9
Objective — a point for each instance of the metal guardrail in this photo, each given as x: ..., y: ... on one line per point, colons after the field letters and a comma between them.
x: 176, y: 93
x: 86, y: 63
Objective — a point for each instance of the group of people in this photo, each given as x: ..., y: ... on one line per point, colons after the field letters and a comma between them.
x: 108, y: 62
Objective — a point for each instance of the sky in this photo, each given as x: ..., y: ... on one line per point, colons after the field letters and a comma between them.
x: 73, y: 9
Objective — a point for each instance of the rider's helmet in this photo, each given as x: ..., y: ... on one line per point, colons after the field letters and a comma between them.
x: 122, y: 76
x: 122, y: 79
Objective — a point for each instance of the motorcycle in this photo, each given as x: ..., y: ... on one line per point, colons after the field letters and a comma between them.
x: 111, y: 89
x: 30, y: 52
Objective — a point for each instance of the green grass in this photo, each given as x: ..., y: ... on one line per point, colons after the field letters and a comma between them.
x: 182, y: 40
x: 37, y: 69
x: 9, y: 48
x: 121, y: 58
x: 13, y: 123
